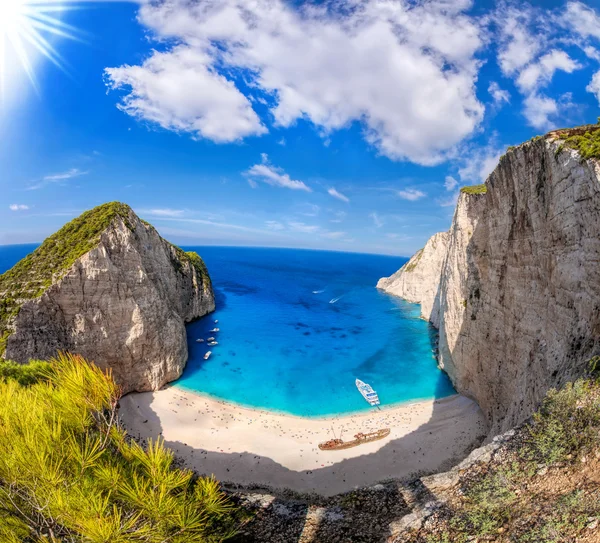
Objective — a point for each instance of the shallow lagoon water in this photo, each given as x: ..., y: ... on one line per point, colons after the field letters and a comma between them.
x: 298, y: 327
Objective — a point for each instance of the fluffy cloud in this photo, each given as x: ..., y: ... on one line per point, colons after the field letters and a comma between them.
x: 480, y: 162
x: 594, y: 86
x: 271, y: 175
x: 405, y: 70
x: 540, y: 73
x: 582, y: 19
x: 333, y: 192
x: 18, y: 207
x: 530, y: 52
x: 539, y: 109
x: 410, y: 194
x: 181, y: 91
x: 499, y: 95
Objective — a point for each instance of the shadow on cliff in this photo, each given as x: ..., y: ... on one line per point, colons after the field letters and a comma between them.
x: 408, y: 454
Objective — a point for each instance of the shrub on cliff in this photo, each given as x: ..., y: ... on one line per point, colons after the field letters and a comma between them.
x: 68, y: 472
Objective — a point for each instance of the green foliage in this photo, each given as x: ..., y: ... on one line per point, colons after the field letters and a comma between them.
x: 68, y: 472
x: 489, y: 504
x: 24, y: 374
x: 587, y: 144
x: 566, y: 426
x: 474, y: 189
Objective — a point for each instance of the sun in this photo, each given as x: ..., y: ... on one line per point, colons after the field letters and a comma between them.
x: 29, y: 30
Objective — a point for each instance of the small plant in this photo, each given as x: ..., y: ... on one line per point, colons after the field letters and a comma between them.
x: 474, y: 189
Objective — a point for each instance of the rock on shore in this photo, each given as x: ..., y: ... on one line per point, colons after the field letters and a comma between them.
x: 122, y: 303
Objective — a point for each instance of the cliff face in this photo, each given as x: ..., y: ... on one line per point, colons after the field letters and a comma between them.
x: 518, y: 295
x: 418, y: 280
x: 123, y: 303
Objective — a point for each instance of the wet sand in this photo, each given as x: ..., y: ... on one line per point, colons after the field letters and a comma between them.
x: 248, y: 446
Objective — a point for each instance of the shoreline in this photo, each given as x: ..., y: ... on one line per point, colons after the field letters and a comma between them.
x: 248, y: 446
x: 322, y: 418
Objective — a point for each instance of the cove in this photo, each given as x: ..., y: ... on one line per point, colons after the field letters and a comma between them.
x: 297, y: 327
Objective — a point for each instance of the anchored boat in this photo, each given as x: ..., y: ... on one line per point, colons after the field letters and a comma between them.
x: 360, y: 438
x: 367, y: 392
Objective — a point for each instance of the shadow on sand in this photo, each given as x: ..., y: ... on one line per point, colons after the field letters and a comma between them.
x: 337, y: 486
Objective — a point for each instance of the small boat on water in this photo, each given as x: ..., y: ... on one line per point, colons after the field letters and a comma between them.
x: 216, y: 321
x: 200, y: 340
x: 212, y: 343
x: 359, y: 439
x: 367, y: 392
x: 210, y: 339
x: 207, y: 355
x: 214, y: 330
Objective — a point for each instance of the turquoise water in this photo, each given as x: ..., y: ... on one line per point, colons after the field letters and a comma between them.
x: 298, y: 327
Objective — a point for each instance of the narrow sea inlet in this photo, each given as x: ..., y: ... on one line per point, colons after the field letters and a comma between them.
x: 297, y: 327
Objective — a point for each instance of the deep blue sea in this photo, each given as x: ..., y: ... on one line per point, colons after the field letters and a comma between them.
x: 297, y: 328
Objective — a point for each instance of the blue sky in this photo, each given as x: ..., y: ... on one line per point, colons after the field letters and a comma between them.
x: 346, y: 125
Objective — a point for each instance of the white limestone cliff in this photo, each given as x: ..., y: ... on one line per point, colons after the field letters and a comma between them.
x: 123, y: 304
x: 517, y: 297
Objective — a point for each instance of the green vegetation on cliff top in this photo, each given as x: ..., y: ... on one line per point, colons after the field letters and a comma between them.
x: 474, y: 189
x: 587, y: 143
x: 70, y: 473
x: 30, y: 277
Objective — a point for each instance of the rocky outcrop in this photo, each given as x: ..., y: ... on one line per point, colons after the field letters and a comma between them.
x: 517, y: 301
x: 122, y: 304
x: 418, y: 280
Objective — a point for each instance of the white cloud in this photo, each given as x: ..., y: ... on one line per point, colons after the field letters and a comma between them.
x: 18, y: 207
x: 540, y: 73
x: 57, y: 178
x: 376, y: 220
x: 499, y: 95
x: 333, y: 192
x: 450, y: 183
x: 274, y: 225
x: 592, y: 52
x: 163, y: 212
x: 528, y: 53
x: 271, y: 175
x: 181, y: 91
x: 480, y: 162
x: 333, y: 235
x: 594, y: 86
x: 517, y: 46
x: 406, y: 71
x: 410, y: 194
x: 582, y: 19
x: 302, y: 227
x: 539, y: 109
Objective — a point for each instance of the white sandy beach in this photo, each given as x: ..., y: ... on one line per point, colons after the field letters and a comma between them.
x: 247, y: 446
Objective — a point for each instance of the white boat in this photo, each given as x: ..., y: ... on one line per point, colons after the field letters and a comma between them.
x: 367, y: 392
x: 207, y: 355
x: 199, y: 341
x: 210, y: 339
x: 213, y: 343
x: 214, y: 330
x: 216, y: 321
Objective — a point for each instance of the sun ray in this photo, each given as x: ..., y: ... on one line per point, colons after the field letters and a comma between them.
x: 29, y: 28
